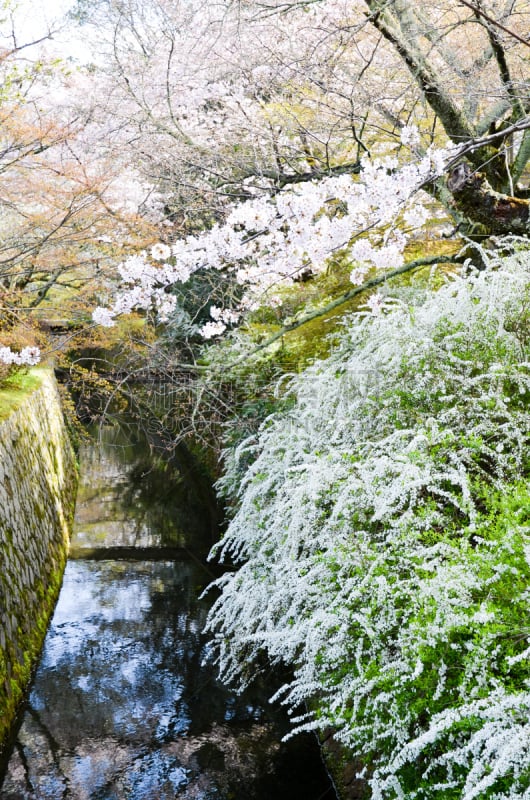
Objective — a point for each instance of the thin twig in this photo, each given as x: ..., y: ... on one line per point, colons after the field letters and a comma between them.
x: 487, y: 17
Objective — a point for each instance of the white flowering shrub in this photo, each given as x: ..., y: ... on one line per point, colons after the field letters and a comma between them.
x: 381, y: 540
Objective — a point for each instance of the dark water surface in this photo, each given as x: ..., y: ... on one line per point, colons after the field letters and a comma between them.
x: 125, y: 702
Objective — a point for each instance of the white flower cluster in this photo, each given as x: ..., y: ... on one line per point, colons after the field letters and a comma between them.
x: 410, y: 136
x: 28, y: 356
x: 222, y: 318
x: 144, y: 286
x: 365, y: 558
x: 268, y: 242
x: 104, y: 317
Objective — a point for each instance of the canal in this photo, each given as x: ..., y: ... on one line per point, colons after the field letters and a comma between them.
x: 125, y: 702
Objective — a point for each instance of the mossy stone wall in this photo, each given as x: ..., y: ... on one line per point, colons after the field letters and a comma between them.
x: 38, y: 482
x: 344, y: 769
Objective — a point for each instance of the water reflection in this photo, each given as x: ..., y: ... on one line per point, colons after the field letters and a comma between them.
x: 125, y: 703
x: 133, y: 495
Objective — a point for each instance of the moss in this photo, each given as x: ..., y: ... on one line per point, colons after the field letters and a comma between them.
x: 33, y: 604
x: 30, y: 644
x: 315, y: 339
x: 15, y: 388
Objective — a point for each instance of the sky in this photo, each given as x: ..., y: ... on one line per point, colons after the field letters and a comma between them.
x: 33, y: 19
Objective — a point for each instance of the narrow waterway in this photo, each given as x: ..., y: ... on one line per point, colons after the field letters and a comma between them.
x: 125, y: 703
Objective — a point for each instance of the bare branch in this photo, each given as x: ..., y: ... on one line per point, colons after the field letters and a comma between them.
x: 494, y: 22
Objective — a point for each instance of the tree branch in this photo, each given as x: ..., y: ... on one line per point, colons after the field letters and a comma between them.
x: 478, y: 201
x: 492, y: 21
x: 502, y: 63
x: 457, y: 127
x: 349, y: 295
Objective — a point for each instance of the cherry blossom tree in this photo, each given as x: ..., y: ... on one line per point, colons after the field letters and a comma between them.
x: 266, y: 122
x: 65, y: 214
x: 226, y: 95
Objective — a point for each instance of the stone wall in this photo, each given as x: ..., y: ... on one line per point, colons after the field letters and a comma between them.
x: 343, y: 769
x: 38, y: 481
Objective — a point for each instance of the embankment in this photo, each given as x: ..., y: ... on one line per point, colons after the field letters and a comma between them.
x: 38, y: 481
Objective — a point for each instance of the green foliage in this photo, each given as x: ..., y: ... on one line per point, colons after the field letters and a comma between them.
x: 15, y: 386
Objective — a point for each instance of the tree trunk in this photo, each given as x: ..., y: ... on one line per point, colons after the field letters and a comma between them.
x: 478, y: 201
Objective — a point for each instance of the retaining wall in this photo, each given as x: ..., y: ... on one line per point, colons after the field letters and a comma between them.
x: 38, y: 481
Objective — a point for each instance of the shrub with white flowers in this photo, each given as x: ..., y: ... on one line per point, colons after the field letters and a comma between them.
x: 381, y: 539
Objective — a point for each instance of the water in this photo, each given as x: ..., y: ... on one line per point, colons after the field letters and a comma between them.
x: 125, y: 702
